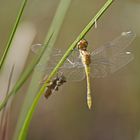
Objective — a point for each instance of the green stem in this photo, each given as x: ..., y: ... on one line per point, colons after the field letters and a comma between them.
x: 13, y: 33
x: 60, y: 63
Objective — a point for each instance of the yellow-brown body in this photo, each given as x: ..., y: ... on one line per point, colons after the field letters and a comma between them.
x: 86, y: 60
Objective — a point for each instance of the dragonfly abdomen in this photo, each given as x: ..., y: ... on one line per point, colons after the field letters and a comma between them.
x: 89, y: 98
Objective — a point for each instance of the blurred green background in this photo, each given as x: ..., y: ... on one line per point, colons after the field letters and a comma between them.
x: 64, y: 116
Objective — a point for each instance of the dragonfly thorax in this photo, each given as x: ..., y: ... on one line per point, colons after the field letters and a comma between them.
x: 86, y: 57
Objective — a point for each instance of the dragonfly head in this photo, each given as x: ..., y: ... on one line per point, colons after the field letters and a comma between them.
x: 82, y: 44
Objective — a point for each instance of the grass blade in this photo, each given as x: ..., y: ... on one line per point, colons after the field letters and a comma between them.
x: 13, y: 32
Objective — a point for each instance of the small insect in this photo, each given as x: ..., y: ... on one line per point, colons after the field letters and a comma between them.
x: 54, y: 85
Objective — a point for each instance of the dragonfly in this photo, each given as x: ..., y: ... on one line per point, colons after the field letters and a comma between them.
x: 101, y: 62
x: 54, y: 84
x: 86, y: 60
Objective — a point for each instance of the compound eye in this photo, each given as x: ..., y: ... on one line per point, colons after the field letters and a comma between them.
x: 82, y: 44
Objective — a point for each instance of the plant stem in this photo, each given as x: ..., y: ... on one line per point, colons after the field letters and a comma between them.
x: 13, y: 33
x: 60, y: 63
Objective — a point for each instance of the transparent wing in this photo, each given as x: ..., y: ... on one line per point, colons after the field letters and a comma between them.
x: 72, y: 68
x: 112, y: 56
x: 55, y: 56
x: 74, y: 74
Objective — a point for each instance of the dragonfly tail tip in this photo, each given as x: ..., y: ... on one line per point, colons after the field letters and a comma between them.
x: 89, y: 105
